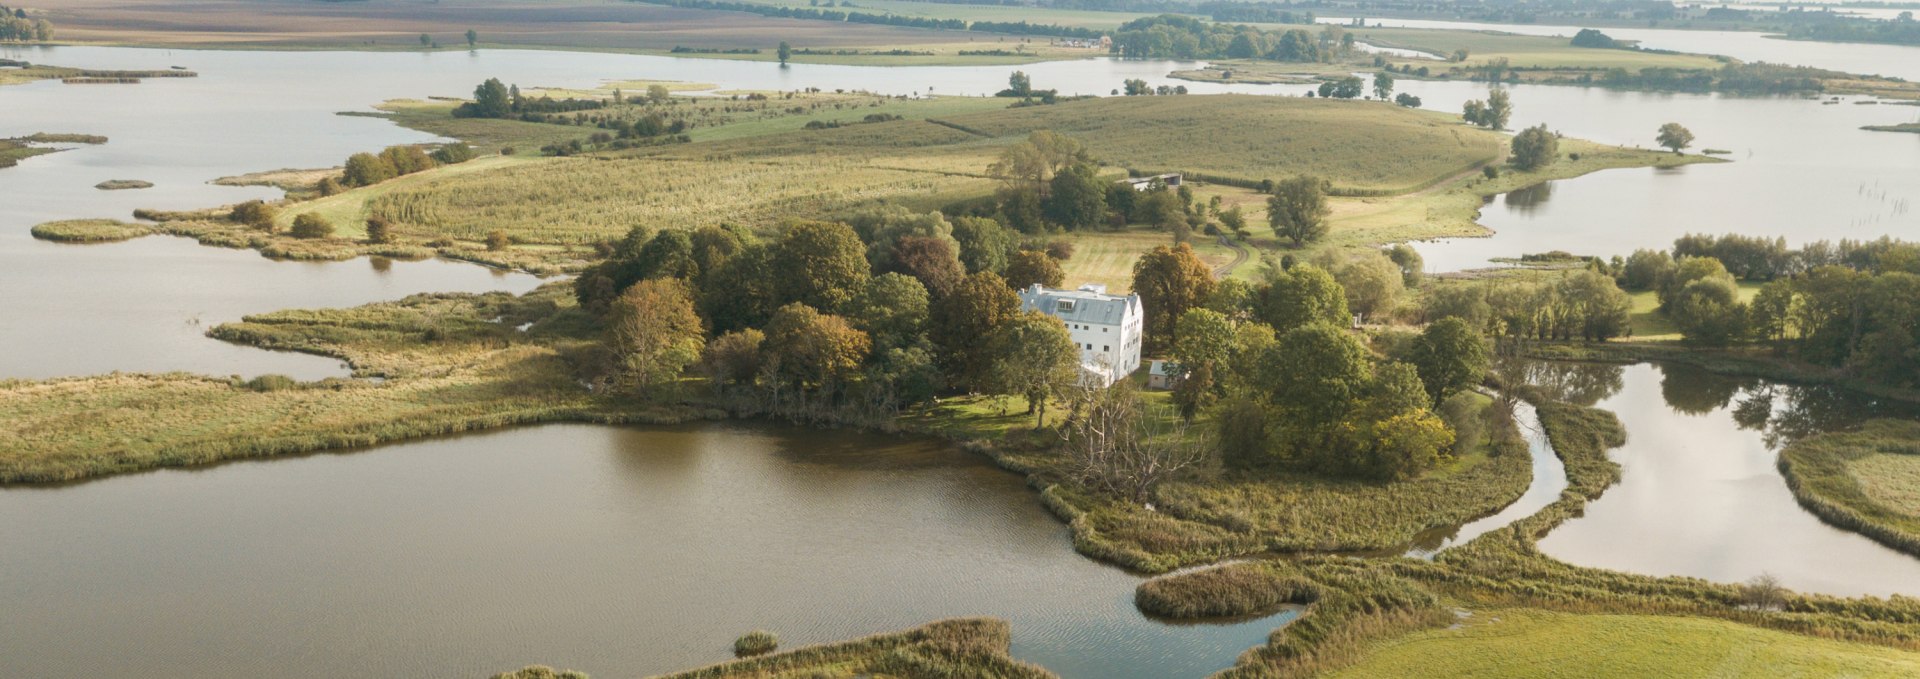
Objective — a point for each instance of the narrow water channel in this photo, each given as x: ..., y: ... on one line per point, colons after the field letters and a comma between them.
x: 1549, y: 479
x: 615, y: 551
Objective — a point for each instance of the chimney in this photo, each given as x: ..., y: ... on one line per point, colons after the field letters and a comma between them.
x: 1095, y: 288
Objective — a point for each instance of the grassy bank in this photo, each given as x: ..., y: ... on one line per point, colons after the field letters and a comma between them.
x: 1236, y: 589
x: 1497, y: 643
x: 447, y: 367
x: 1215, y: 514
x: 89, y: 231
x: 1902, y: 127
x: 967, y: 647
x: 1867, y: 481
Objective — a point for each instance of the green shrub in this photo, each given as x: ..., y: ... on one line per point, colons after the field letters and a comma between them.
x: 256, y: 214
x: 311, y: 225
x: 757, y: 642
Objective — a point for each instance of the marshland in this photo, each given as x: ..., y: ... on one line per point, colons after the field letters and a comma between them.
x: 665, y: 350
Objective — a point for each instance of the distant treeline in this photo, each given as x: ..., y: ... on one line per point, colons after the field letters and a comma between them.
x: 1896, y: 32
x: 1750, y: 79
x: 1172, y: 36
x: 1847, y: 304
x: 16, y: 27
x: 1010, y: 27
x: 1220, y: 10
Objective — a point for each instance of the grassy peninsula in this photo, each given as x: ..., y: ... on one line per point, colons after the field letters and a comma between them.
x: 1866, y: 481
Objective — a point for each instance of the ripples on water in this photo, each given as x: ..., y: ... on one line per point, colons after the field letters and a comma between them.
x: 619, y: 552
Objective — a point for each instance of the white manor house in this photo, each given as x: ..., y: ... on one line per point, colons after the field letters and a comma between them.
x: 1107, y: 327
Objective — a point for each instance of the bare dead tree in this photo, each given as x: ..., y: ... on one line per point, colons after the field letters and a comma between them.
x: 1114, y: 446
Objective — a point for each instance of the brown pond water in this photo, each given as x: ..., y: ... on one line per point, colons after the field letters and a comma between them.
x: 615, y: 551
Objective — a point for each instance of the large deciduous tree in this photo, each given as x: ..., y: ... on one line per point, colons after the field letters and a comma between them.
x: 972, y: 312
x: 1034, y: 356
x: 1675, y: 137
x: 654, y: 332
x: 1169, y: 280
x: 1450, y: 356
x: 1298, y: 210
x: 809, y: 351
x: 1535, y: 148
x: 1028, y: 267
x: 820, y: 264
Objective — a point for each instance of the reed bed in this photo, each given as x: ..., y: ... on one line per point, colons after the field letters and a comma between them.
x: 89, y: 231
x: 968, y: 647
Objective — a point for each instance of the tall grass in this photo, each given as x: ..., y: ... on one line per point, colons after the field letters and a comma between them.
x: 966, y: 647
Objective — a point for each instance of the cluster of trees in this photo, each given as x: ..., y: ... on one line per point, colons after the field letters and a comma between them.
x: 1588, y: 37
x: 366, y: 169
x: 1492, y: 113
x: 494, y: 99
x: 16, y: 27
x: 1535, y: 147
x: 1586, y: 305
x: 1135, y: 87
x: 259, y: 215
x: 857, y: 318
x: 1301, y: 391
x: 1758, y: 78
x: 1170, y: 36
x: 816, y: 14
x: 1849, y: 305
x: 1049, y: 182
x: 1903, y: 30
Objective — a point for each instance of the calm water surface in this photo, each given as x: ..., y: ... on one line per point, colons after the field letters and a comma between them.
x: 1699, y: 493
x: 619, y: 552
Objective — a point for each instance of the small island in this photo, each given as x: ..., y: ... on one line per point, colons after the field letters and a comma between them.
x: 1902, y: 127
x: 123, y: 184
x: 89, y: 231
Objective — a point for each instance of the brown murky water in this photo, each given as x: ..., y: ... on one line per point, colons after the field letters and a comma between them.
x: 615, y: 551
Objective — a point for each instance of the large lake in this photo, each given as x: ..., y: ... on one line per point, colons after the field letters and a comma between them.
x: 618, y: 552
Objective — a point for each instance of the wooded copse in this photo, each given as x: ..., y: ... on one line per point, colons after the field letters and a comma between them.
x: 1846, y: 304
x: 16, y: 26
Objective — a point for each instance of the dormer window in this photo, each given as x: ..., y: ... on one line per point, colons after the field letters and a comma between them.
x: 1064, y: 306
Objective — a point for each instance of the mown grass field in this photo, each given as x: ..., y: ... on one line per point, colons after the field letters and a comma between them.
x: 1108, y: 256
x: 1497, y: 643
x: 1649, y: 325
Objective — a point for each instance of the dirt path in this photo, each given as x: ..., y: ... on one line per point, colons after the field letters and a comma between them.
x: 1240, y: 256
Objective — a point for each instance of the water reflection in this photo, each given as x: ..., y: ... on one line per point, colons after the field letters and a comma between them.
x: 1574, y: 382
x: 1700, y: 494
x: 1527, y: 200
